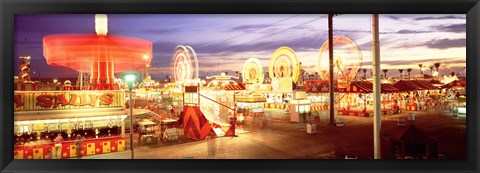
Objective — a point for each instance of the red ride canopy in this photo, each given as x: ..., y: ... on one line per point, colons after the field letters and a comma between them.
x: 78, y: 51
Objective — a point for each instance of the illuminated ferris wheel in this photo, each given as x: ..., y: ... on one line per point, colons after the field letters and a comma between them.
x: 252, y: 71
x: 185, y: 64
x: 347, y: 60
x: 284, y: 64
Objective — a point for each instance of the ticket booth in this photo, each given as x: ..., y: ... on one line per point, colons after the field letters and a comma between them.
x: 299, y: 107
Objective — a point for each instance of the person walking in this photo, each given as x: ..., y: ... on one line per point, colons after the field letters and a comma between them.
x: 58, y: 146
x: 211, y: 146
x: 78, y: 146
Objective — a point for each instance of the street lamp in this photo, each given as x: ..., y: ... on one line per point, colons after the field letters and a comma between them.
x: 130, y: 78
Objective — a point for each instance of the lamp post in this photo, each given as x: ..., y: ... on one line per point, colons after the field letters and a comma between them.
x: 130, y: 78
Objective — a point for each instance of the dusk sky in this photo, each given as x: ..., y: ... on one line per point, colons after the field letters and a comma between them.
x: 229, y: 40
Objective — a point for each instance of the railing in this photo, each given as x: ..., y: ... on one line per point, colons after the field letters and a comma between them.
x: 216, y: 102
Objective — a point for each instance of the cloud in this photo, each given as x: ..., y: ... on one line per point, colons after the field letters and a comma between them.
x: 161, y: 31
x: 446, y: 43
x: 439, y: 18
x: 406, y: 31
x: 394, y: 17
x: 249, y: 28
x: 456, y: 28
x: 436, y: 44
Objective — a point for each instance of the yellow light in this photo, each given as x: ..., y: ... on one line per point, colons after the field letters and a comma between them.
x: 101, y: 24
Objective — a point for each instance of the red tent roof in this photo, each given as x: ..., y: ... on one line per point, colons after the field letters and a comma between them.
x: 435, y: 82
x: 407, y: 85
x: 425, y: 84
x: 456, y: 84
x: 367, y: 87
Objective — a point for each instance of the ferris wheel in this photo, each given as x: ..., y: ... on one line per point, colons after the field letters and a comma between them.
x: 253, y: 71
x: 347, y: 60
x: 284, y: 64
x: 185, y: 64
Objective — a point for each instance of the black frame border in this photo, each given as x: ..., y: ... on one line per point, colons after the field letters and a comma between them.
x: 10, y: 7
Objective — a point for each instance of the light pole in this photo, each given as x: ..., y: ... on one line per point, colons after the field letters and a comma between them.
x: 130, y: 78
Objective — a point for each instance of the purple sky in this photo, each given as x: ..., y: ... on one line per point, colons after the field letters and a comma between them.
x: 406, y: 40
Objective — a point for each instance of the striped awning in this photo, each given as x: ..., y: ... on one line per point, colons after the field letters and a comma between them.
x: 234, y: 86
x: 367, y: 87
x: 407, y: 85
x: 425, y: 84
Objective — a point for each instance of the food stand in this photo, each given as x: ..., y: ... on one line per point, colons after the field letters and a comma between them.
x: 39, y: 116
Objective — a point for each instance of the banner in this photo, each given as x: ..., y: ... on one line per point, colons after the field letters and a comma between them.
x: 41, y: 100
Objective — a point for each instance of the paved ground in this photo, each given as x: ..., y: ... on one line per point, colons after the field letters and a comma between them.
x: 281, y: 139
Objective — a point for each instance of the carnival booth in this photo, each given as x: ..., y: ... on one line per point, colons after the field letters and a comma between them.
x: 318, y: 94
x: 357, y: 99
x: 281, y: 94
x: 299, y: 107
x: 416, y: 94
x: 250, y: 103
x: 98, y: 116
x: 457, y: 95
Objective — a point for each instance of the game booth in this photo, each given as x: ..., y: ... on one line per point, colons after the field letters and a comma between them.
x: 456, y: 95
x: 416, y: 94
x: 357, y: 99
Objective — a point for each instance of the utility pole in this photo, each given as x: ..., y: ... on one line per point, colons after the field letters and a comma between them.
x: 377, y: 121
x: 330, y: 60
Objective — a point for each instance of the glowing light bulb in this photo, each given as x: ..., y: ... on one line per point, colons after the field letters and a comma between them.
x: 101, y: 24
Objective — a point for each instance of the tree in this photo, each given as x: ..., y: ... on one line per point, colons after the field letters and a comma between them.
x: 431, y: 70
x: 401, y: 72
x: 452, y: 74
x: 437, y: 64
x: 385, y: 73
x: 409, y: 70
x: 364, y: 73
x: 316, y: 75
x: 421, y: 68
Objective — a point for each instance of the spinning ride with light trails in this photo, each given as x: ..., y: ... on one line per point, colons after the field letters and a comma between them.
x: 253, y: 71
x: 185, y: 64
x: 284, y: 64
x: 347, y: 60
x: 99, y: 54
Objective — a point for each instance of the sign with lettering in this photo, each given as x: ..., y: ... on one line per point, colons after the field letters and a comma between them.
x: 40, y: 100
